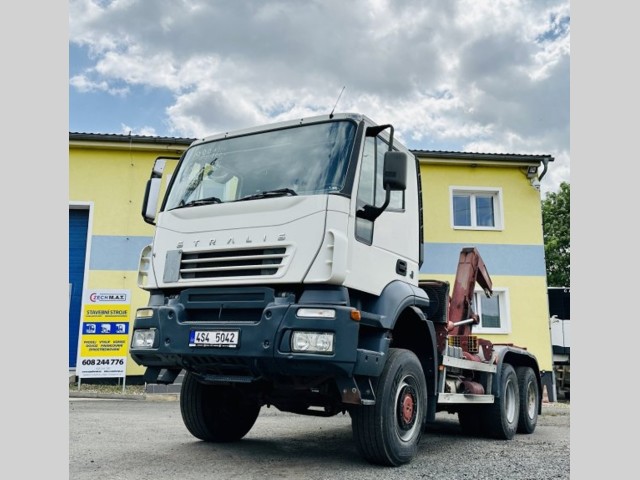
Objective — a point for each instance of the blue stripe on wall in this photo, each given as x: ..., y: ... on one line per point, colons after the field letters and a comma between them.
x: 517, y: 260
x: 116, y: 253
x: 123, y: 253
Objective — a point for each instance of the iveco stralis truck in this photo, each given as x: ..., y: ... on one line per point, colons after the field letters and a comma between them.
x: 284, y: 272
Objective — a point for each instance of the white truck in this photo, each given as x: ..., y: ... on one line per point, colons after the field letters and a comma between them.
x: 284, y: 271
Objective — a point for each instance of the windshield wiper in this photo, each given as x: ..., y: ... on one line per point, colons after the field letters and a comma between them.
x: 199, y: 201
x: 280, y: 192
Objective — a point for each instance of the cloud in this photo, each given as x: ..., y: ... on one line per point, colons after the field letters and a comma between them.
x: 85, y: 84
x: 468, y: 75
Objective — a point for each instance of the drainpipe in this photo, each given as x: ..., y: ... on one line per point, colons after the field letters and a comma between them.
x: 545, y: 162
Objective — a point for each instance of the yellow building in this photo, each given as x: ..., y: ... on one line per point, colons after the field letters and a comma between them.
x: 492, y: 202
x: 107, y: 177
x: 489, y: 201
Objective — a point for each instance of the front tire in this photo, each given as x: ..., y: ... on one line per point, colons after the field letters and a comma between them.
x: 501, y: 418
x: 529, y: 399
x: 388, y: 432
x: 216, y: 413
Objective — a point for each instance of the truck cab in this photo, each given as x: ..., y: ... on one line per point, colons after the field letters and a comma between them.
x: 303, y: 199
x: 274, y: 236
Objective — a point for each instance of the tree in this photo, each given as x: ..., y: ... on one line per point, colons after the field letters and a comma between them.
x: 556, y: 230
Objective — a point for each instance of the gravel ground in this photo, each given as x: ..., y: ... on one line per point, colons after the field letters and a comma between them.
x: 140, y: 440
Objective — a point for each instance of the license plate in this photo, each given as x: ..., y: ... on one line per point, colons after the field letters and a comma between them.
x: 214, y: 338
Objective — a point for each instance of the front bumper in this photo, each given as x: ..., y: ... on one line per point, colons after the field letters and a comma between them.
x: 265, y: 324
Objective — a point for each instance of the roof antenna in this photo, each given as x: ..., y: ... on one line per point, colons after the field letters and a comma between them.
x: 334, y: 107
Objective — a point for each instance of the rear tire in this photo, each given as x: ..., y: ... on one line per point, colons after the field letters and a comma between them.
x: 500, y: 420
x: 388, y: 432
x: 529, y: 399
x: 216, y: 413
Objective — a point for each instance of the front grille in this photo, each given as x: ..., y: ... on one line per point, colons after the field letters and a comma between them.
x: 225, y: 304
x: 232, y: 263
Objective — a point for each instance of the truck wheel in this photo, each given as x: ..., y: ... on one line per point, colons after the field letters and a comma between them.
x: 500, y: 419
x: 216, y: 413
x: 388, y: 432
x: 529, y: 399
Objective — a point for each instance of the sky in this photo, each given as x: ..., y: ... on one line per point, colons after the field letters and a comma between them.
x: 488, y: 76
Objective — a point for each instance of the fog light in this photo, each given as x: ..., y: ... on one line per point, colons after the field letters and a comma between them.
x: 143, y: 338
x: 316, y: 313
x: 313, y: 342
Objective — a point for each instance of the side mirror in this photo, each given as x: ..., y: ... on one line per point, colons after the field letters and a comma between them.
x: 150, y: 202
x: 152, y: 192
x: 395, y: 171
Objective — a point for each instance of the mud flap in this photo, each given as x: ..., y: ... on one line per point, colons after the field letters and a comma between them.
x: 356, y: 390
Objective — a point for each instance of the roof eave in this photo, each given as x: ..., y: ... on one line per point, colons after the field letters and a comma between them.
x: 487, y: 159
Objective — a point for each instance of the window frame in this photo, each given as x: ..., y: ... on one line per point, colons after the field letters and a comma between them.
x: 364, y: 229
x: 502, y: 295
x: 472, y: 192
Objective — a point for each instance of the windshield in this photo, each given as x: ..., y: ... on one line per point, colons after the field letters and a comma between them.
x: 302, y: 160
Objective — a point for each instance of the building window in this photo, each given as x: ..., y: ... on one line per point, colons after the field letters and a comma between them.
x: 493, y: 312
x: 476, y: 208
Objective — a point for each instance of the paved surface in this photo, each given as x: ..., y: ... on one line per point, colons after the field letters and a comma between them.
x: 143, y: 437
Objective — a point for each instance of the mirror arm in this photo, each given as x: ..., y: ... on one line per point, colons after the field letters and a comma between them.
x: 369, y: 212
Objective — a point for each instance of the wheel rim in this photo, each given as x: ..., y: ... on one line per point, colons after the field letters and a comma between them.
x: 531, y: 401
x: 510, y: 401
x: 407, y: 408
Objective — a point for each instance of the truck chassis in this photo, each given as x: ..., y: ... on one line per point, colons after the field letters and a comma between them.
x: 392, y: 385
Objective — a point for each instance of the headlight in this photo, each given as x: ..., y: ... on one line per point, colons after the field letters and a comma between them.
x: 143, y: 338
x: 312, y: 342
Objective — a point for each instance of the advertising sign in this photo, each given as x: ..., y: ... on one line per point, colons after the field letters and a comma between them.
x: 104, y: 334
